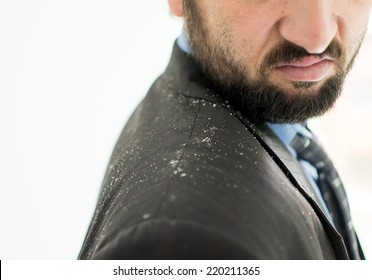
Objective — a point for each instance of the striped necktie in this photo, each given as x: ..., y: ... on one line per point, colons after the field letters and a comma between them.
x: 331, y: 187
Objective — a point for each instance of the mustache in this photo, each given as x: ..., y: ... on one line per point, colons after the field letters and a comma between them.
x: 288, y: 52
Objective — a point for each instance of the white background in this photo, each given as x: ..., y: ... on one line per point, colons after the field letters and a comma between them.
x: 71, y: 72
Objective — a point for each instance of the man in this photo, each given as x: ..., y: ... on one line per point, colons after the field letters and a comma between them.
x: 217, y: 161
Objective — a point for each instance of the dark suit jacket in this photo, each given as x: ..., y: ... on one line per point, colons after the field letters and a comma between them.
x: 192, y: 178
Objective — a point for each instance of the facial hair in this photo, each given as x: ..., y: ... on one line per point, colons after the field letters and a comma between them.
x: 259, y: 99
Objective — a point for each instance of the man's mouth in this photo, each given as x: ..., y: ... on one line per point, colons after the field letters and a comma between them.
x: 308, y: 69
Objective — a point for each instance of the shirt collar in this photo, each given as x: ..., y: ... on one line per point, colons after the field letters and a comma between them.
x: 183, y: 42
x: 286, y: 132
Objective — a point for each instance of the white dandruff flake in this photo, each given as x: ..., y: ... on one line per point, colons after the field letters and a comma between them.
x: 146, y: 216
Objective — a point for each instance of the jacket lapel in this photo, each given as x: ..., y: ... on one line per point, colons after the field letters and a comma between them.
x: 284, y: 159
x: 267, y: 135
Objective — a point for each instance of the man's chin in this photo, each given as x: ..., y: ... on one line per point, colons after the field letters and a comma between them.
x: 285, y: 102
x: 306, y: 86
x: 292, y: 88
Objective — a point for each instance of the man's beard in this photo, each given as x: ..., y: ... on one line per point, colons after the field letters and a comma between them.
x: 259, y: 99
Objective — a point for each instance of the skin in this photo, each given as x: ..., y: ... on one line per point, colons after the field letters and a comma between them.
x: 255, y: 27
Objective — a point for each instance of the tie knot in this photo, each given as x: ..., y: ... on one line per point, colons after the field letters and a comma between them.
x: 309, y: 150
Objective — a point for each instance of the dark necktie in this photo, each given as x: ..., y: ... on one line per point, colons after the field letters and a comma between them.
x: 331, y: 187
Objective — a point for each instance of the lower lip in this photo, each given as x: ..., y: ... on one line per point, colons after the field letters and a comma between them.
x: 313, y: 73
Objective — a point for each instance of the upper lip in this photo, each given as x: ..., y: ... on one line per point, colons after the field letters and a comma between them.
x: 304, y: 62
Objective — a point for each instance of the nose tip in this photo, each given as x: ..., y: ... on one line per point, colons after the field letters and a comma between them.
x: 314, y: 38
x: 312, y: 27
x: 316, y: 42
